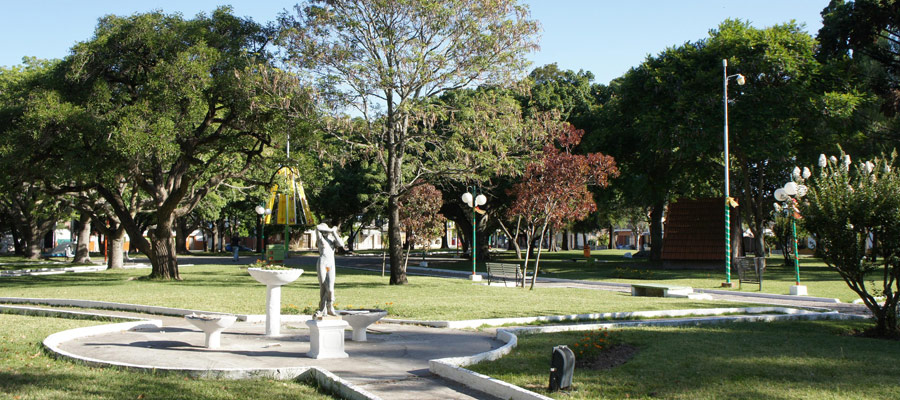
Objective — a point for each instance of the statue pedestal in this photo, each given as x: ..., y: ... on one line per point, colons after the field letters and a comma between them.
x: 326, y: 338
x: 798, y: 290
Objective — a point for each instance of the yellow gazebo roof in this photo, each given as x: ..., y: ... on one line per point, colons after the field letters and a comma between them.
x: 288, y: 203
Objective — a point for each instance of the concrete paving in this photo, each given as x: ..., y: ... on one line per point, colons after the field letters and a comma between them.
x: 392, y: 364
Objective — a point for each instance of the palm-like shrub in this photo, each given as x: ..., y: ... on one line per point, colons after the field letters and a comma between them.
x: 854, y: 212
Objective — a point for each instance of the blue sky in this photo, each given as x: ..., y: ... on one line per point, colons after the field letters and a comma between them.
x: 606, y: 37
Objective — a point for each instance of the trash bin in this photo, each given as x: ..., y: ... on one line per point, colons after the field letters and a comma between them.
x: 275, y: 254
x: 562, y: 367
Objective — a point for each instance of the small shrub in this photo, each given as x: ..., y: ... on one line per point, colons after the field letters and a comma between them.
x: 592, y: 344
x: 854, y: 211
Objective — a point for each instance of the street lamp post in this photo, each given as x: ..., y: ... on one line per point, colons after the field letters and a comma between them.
x: 260, y: 211
x: 789, y: 196
x: 478, y: 200
x: 740, y: 81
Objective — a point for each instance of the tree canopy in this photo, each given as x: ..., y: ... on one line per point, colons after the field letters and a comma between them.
x: 385, y: 59
x: 177, y: 108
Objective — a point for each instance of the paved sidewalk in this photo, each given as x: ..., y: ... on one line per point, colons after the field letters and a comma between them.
x: 392, y: 364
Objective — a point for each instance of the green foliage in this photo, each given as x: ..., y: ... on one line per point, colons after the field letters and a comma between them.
x: 29, y: 114
x: 863, y: 27
x: 854, y: 211
x: 175, y: 108
x: 387, y: 59
x: 419, y: 214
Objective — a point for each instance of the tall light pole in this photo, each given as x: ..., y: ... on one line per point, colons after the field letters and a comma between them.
x: 740, y: 81
x: 468, y: 198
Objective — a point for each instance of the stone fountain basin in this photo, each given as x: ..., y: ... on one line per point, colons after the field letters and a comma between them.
x: 359, y: 320
x: 275, y: 277
x: 212, y: 326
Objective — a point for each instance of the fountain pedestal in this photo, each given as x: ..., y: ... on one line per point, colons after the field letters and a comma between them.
x: 359, y: 320
x: 212, y: 326
x: 326, y: 338
x: 274, y: 279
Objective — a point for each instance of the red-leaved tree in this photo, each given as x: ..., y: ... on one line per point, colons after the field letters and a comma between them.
x: 554, y: 189
x: 419, y: 215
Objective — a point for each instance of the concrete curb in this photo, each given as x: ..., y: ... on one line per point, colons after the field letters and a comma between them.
x: 475, y: 323
x: 52, y: 343
x: 335, y: 385
x: 46, y: 312
x: 770, y: 296
x: 176, y: 312
x: 798, y: 315
x: 452, y: 369
x: 51, y: 271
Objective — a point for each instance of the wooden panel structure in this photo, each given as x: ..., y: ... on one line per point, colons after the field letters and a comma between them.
x: 695, y: 230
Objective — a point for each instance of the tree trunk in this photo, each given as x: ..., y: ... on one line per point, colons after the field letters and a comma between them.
x: 484, y: 248
x: 82, y: 247
x: 17, y: 242
x: 398, y: 272
x: 886, y: 320
x: 565, y: 240
x: 537, y: 260
x: 214, y: 241
x: 528, y: 235
x: 512, y: 240
x: 612, y: 237
x: 33, y: 239
x: 181, y: 236
x: 162, y: 256
x: 444, y: 243
x: 656, y: 234
x: 737, y: 236
x: 115, y: 249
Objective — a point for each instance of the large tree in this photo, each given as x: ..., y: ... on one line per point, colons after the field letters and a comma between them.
x: 384, y: 58
x: 554, y: 189
x: 179, y: 106
x: 657, y: 124
x: 773, y: 119
x: 29, y: 113
x: 865, y: 29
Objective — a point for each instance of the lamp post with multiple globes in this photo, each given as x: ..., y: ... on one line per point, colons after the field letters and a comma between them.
x: 474, y: 201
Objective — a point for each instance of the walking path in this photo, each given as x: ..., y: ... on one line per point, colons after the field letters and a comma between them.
x: 393, y: 364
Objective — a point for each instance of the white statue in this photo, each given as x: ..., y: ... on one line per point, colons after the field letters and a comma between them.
x: 327, y: 239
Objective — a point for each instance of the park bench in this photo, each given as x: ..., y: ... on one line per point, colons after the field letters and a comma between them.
x: 750, y: 270
x: 660, y: 290
x: 504, y: 272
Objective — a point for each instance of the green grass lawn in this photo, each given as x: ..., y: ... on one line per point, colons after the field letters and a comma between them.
x: 26, y: 372
x: 231, y: 289
x: 819, y: 279
x: 782, y: 360
x: 779, y: 360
